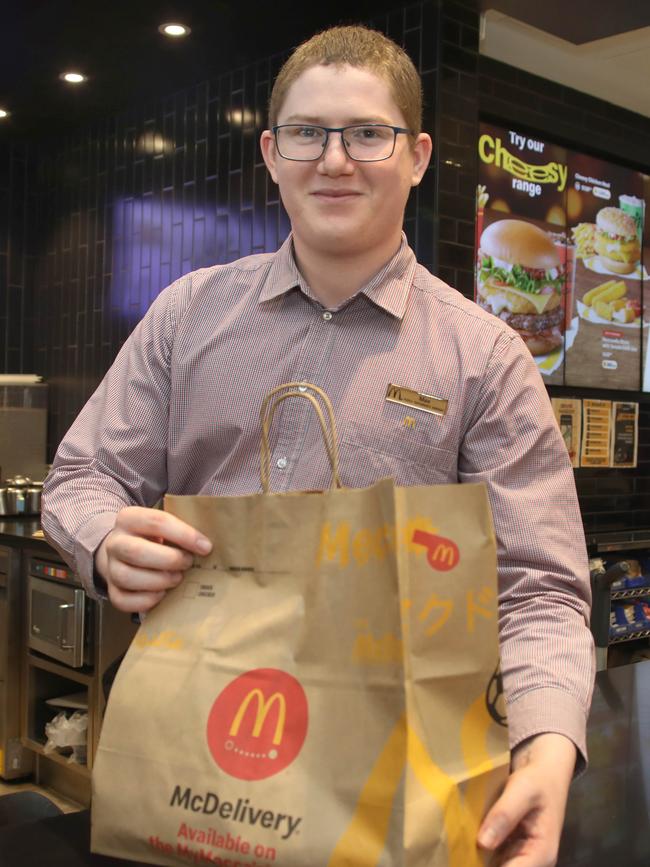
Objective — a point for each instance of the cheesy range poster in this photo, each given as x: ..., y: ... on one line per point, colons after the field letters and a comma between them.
x: 559, y: 257
x: 645, y: 349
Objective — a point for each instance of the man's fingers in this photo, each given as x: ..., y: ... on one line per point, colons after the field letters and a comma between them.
x: 131, y: 602
x: 514, y: 854
x: 139, y: 552
x: 525, y: 824
x: 520, y: 853
x: 145, y: 555
x: 139, y: 590
x: 156, y: 524
x: 129, y: 579
x: 515, y: 803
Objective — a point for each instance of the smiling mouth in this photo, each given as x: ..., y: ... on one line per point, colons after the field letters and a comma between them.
x: 335, y: 194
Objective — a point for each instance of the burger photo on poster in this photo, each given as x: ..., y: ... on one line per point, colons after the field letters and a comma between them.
x: 616, y: 241
x: 520, y: 279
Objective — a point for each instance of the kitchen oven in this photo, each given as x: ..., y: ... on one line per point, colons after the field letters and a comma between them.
x: 58, y: 616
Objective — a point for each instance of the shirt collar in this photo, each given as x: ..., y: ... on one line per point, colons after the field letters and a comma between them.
x: 388, y: 289
x: 283, y: 275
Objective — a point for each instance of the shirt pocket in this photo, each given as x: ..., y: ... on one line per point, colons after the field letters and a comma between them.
x: 369, y: 454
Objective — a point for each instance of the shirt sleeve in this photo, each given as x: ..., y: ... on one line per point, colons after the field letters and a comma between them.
x: 114, y: 455
x: 514, y: 446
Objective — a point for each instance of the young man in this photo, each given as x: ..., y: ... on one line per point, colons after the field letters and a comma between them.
x: 343, y: 304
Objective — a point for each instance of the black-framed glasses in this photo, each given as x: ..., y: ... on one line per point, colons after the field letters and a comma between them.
x: 366, y: 143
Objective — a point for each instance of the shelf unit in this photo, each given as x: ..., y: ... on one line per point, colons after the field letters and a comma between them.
x: 45, y: 678
x: 630, y: 636
x: 606, y: 546
x: 630, y: 593
x: 37, y: 747
x: 624, y: 548
x: 15, y: 760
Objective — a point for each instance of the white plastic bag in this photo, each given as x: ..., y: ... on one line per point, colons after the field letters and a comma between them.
x: 68, y: 732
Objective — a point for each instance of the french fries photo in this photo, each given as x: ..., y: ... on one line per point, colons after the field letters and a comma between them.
x: 609, y: 291
x: 609, y: 301
x: 584, y: 237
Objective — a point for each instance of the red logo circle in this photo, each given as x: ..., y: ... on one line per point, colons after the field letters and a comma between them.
x: 258, y: 724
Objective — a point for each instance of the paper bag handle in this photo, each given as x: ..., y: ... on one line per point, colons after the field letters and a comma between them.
x: 330, y: 436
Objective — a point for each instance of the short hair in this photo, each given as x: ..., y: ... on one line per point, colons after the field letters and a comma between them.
x: 359, y: 46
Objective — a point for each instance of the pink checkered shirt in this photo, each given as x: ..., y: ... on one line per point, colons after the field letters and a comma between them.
x: 178, y: 412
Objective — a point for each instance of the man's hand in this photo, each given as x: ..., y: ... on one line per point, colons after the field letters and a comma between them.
x: 525, y: 824
x: 145, y: 555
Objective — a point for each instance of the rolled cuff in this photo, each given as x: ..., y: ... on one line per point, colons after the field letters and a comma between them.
x: 544, y: 710
x: 86, y: 543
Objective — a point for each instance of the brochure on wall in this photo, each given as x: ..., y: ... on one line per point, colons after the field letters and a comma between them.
x: 568, y: 412
x: 559, y: 257
x: 605, y: 211
x: 596, y: 427
x: 625, y: 433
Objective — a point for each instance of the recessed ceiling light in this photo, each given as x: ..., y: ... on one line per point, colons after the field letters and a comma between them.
x: 174, y: 30
x: 153, y: 142
x: 241, y: 117
x: 73, y: 77
x: 3, y: 113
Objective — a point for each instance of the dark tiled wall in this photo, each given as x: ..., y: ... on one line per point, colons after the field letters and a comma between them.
x: 126, y: 207
x: 611, y: 500
x: 133, y: 204
x: 455, y: 135
x: 15, y: 301
x: 116, y: 213
x: 566, y: 115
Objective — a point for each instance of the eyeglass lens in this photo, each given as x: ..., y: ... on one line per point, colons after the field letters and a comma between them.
x: 365, y: 143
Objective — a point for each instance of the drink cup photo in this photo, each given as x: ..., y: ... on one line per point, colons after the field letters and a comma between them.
x: 570, y: 283
x: 567, y: 254
x: 481, y: 201
x: 635, y: 207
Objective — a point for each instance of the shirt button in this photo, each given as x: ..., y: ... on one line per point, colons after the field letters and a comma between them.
x: 327, y: 316
x: 281, y: 463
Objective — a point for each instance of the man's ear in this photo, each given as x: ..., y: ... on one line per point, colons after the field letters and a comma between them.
x: 422, y: 151
x: 267, y: 146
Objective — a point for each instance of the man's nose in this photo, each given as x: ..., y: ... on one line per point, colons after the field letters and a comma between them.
x: 334, y: 156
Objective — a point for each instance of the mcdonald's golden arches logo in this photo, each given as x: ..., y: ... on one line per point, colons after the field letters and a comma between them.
x: 442, y: 553
x: 258, y: 724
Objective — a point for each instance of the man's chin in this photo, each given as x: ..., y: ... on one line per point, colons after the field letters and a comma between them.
x: 332, y: 240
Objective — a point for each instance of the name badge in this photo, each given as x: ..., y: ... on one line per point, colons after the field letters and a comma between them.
x: 410, y: 397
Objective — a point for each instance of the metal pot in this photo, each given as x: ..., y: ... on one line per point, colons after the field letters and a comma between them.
x: 33, y: 496
x: 21, y: 496
x: 4, y: 505
x: 18, y: 496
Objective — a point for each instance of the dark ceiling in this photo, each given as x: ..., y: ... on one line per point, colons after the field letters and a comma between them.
x: 116, y: 42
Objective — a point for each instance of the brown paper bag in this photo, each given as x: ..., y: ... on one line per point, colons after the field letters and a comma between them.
x: 322, y: 689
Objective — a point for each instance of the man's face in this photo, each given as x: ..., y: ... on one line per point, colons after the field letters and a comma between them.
x: 338, y: 206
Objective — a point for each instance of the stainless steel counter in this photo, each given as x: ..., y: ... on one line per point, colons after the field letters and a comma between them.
x: 18, y: 531
x: 608, y: 816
